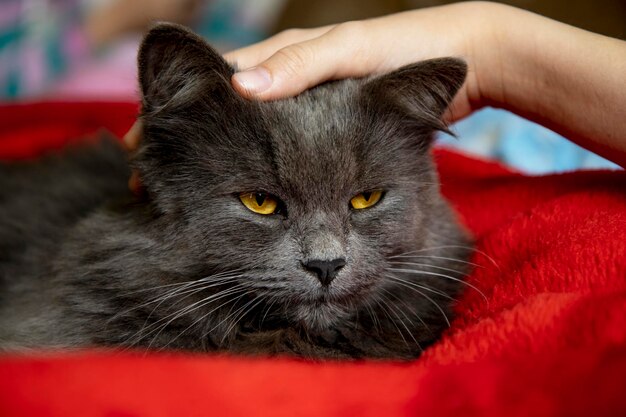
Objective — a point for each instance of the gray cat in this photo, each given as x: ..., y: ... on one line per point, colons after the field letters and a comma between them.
x: 311, y: 226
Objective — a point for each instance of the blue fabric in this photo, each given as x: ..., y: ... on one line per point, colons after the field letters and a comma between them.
x: 521, y: 144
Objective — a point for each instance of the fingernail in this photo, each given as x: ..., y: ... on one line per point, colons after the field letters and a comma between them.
x: 255, y: 80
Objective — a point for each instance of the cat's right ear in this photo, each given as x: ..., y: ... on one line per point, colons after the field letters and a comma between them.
x: 178, y: 67
x: 419, y: 92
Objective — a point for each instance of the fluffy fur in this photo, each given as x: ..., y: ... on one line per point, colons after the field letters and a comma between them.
x: 189, y: 267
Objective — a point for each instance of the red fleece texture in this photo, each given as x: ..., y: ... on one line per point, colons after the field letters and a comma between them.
x: 548, y: 340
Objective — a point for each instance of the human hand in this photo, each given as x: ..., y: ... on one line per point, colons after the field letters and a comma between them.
x: 131, y: 141
x: 292, y: 61
x: 298, y: 59
x: 557, y: 75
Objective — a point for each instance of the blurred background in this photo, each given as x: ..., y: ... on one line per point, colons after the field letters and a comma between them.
x: 67, y: 50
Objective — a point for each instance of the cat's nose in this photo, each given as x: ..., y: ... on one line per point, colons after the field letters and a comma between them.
x: 326, y: 270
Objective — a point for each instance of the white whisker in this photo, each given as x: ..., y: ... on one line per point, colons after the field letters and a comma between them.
x: 269, y: 307
x: 183, y: 288
x: 436, y: 257
x: 192, y: 291
x: 427, y: 265
x: 411, y: 271
x: 227, y: 317
x: 203, y: 317
x: 197, y: 305
x: 373, y: 316
x: 237, y: 318
x: 414, y: 284
x: 208, y: 277
x: 182, y: 312
x: 434, y: 303
x: 393, y: 321
x: 469, y: 248
x: 402, y: 321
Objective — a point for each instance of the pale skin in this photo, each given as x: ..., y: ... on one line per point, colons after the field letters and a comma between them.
x: 567, y: 79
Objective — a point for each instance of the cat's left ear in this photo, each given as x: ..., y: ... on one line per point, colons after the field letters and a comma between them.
x: 176, y: 65
x: 421, y: 91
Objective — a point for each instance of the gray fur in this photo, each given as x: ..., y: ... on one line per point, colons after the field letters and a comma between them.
x: 85, y: 263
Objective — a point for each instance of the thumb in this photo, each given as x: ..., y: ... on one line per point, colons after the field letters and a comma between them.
x: 132, y: 138
x: 294, y: 68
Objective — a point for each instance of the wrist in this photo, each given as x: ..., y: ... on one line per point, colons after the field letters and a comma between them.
x: 554, y: 74
x: 488, y: 43
x: 477, y: 39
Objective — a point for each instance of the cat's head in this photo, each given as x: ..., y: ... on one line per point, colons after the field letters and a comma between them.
x: 307, y: 198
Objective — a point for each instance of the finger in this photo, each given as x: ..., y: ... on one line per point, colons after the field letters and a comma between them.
x: 135, y: 185
x: 336, y: 54
x: 133, y: 136
x: 253, y: 55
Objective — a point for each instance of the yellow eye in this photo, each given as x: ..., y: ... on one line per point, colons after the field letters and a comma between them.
x: 261, y: 203
x: 366, y: 199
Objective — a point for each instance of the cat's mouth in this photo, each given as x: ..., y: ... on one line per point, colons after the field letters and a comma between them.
x: 327, y: 295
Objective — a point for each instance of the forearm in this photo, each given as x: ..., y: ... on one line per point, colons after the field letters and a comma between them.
x: 564, y: 78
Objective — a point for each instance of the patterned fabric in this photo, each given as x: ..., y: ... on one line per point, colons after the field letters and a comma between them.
x: 44, y: 51
x: 39, y: 41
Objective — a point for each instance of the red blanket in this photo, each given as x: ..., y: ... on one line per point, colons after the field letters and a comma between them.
x: 549, y: 340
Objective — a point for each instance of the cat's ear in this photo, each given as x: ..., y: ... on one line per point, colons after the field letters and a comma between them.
x: 175, y: 65
x: 421, y: 91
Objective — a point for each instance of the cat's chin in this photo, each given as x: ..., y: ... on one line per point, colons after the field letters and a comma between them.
x: 321, y: 315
